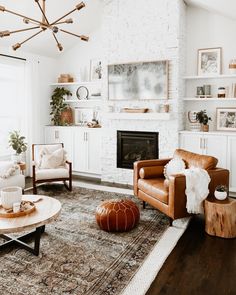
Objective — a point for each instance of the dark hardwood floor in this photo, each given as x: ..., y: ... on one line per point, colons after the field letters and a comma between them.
x: 199, y: 264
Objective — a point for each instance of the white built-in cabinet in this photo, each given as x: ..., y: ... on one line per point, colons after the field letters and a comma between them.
x: 220, y: 145
x: 83, y: 146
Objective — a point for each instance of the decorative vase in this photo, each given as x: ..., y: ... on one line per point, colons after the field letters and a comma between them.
x: 67, y: 117
x: 220, y: 195
x: 11, y: 195
x: 204, y: 128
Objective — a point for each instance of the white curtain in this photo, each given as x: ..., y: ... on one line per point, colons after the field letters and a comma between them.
x: 18, y: 103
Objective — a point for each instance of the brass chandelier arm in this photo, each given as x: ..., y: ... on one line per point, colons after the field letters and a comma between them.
x: 78, y: 7
x: 8, y: 33
x: 18, y: 45
x: 58, y: 43
x: 42, y: 11
x: 67, y: 21
x: 82, y: 37
x: 21, y: 15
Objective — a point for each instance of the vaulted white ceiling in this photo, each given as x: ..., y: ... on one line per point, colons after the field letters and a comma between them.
x: 86, y: 21
x: 224, y: 7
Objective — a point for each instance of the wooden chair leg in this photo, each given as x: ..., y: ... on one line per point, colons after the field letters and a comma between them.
x: 34, y: 189
x: 144, y: 205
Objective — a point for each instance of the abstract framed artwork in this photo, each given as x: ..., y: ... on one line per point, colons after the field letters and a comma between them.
x: 138, y: 81
x: 95, y: 70
x: 209, y: 61
x: 226, y: 119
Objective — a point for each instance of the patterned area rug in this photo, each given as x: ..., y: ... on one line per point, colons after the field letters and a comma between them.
x: 76, y: 257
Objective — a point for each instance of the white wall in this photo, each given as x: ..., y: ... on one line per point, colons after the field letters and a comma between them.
x: 206, y: 30
x: 38, y: 110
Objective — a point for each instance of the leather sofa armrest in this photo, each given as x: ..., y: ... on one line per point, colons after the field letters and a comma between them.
x: 145, y: 163
x: 177, y: 197
x: 218, y: 176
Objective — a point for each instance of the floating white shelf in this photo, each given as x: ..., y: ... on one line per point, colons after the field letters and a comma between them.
x: 138, y: 116
x: 209, y: 77
x: 209, y: 99
x: 76, y: 83
x: 82, y: 100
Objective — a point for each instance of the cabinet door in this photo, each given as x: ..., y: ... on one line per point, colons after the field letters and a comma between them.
x: 94, y: 151
x: 65, y: 135
x: 52, y: 135
x: 191, y: 142
x: 216, y: 146
x: 231, y: 161
x: 80, y: 157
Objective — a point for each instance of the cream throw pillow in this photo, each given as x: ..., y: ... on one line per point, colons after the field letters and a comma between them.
x: 52, y: 160
x: 7, y: 169
x: 174, y: 166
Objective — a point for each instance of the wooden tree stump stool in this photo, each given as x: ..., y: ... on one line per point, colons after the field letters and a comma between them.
x: 220, y: 217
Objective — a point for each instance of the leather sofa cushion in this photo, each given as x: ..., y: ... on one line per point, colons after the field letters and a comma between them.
x: 155, y: 188
x: 151, y: 172
x: 196, y: 160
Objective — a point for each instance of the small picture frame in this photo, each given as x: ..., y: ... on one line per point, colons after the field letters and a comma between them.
x: 95, y: 70
x: 83, y: 115
x: 226, y: 119
x: 209, y: 61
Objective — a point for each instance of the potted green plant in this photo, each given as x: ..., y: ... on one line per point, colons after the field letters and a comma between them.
x: 221, y: 192
x: 18, y: 144
x: 203, y: 119
x: 58, y: 105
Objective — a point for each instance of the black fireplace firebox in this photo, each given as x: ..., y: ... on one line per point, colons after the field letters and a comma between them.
x: 134, y: 146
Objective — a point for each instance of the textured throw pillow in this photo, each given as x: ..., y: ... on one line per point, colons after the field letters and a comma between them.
x: 7, y: 169
x: 52, y: 160
x: 174, y: 166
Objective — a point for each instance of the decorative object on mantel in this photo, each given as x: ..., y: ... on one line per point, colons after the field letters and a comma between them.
x: 193, y: 122
x: 135, y: 110
x: 203, y: 119
x: 18, y: 144
x: 94, y: 124
x: 58, y: 105
x: 43, y: 25
x: 226, y: 119
x: 82, y: 93
x: 65, y: 78
x: 140, y: 80
x: 232, y: 66
x: 209, y: 61
x: 83, y: 116
x: 95, y: 70
x: 221, y: 192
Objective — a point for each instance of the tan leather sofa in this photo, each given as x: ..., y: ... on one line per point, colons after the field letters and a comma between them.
x: 168, y: 196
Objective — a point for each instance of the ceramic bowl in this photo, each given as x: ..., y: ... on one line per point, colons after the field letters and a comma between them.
x: 10, y: 195
x: 220, y: 195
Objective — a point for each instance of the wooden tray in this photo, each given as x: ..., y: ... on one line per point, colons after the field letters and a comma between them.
x: 30, y: 208
x: 133, y: 110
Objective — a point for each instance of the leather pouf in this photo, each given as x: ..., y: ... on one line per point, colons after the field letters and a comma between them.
x: 117, y: 215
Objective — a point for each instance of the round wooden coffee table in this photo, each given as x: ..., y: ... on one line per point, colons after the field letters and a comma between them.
x: 47, y: 210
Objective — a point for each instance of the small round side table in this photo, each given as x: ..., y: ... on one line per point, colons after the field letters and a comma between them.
x: 220, y: 217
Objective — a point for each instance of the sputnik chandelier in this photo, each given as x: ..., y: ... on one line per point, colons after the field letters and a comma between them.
x: 43, y: 25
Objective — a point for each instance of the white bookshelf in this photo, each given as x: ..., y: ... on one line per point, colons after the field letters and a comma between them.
x: 85, y: 83
x: 210, y: 99
x: 138, y: 116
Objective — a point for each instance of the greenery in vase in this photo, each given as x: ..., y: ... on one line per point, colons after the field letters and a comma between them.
x: 202, y: 117
x: 58, y: 104
x: 17, y: 142
x: 221, y: 188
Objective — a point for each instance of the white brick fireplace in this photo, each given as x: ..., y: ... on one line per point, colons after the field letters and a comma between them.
x: 137, y: 30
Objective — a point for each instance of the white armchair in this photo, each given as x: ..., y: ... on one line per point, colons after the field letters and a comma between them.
x: 42, y: 173
x: 10, y: 175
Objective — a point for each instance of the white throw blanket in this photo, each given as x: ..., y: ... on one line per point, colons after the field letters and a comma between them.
x: 197, y: 181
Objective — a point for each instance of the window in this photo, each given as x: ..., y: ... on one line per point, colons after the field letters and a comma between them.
x: 13, y: 111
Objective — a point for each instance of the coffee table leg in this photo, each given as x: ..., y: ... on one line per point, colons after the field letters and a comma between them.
x: 18, y: 241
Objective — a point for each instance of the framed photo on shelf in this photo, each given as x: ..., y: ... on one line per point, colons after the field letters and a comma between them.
x: 138, y: 81
x: 83, y: 115
x: 95, y: 70
x: 226, y: 119
x: 209, y: 61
